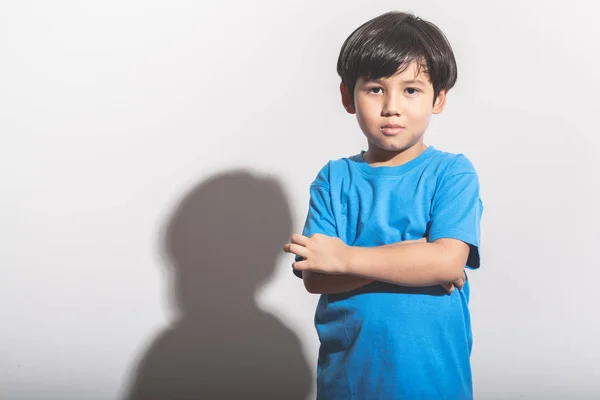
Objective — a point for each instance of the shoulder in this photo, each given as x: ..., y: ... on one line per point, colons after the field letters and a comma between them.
x: 449, y: 164
x: 334, y: 169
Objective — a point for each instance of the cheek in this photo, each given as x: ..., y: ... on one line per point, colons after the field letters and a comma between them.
x: 368, y: 110
x: 420, y: 113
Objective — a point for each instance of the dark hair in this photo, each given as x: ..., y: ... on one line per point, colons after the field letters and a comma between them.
x: 389, y: 43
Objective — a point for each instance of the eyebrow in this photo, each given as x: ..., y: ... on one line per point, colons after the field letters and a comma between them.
x: 413, y: 81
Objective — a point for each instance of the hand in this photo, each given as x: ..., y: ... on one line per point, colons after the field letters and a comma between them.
x: 321, y: 253
x: 456, y: 284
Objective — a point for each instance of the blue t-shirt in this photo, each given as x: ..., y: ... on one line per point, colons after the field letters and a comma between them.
x: 385, y: 341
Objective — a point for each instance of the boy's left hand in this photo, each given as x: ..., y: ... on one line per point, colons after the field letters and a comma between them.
x: 321, y: 253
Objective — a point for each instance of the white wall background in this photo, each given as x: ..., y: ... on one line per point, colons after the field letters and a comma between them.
x: 155, y: 156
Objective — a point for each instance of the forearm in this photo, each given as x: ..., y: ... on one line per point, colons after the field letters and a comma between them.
x: 319, y: 283
x: 414, y: 264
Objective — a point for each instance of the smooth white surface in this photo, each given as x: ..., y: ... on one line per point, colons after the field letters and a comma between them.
x: 112, y: 112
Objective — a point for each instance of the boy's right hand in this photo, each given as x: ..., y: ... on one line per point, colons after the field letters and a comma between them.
x: 456, y: 284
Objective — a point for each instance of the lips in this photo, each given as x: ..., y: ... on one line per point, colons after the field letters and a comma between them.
x: 392, y: 129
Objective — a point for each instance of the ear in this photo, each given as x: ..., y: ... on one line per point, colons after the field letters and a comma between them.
x: 440, y: 102
x: 347, y: 99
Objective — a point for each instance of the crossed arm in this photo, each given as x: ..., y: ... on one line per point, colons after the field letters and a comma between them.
x: 331, y: 266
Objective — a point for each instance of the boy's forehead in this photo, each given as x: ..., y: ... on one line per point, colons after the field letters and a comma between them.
x: 412, y: 73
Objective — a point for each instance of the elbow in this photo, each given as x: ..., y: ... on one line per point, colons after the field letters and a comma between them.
x: 454, y: 254
x: 317, y: 283
x: 454, y: 268
x: 310, y: 283
x: 313, y: 290
x: 456, y: 271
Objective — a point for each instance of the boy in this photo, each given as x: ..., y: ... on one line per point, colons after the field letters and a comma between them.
x: 389, y: 322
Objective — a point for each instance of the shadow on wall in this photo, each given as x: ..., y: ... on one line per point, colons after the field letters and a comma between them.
x: 221, y: 244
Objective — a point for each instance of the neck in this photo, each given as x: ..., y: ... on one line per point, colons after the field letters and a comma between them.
x: 376, y: 156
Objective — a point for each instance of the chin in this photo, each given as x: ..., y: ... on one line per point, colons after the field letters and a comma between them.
x: 400, y: 144
x: 394, y: 147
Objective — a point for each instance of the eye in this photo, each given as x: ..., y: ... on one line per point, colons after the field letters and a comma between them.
x: 375, y: 90
x: 412, y: 91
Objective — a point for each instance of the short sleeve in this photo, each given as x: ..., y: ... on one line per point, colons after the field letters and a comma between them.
x: 457, y: 208
x: 320, y: 217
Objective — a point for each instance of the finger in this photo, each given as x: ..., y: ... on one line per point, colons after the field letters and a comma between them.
x: 459, y: 283
x: 299, y: 239
x: 296, y: 249
x: 449, y: 287
x: 422, y: 240
x: 300, y: 265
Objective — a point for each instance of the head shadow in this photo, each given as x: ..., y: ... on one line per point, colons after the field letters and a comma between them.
x: 220, y: 244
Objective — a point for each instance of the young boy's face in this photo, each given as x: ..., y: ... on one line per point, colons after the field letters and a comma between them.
x: 394, y: 112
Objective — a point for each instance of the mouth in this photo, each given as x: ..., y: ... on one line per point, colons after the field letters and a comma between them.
x: 391, y: 130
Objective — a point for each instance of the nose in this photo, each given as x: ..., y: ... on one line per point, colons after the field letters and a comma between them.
x: 391, y: 105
